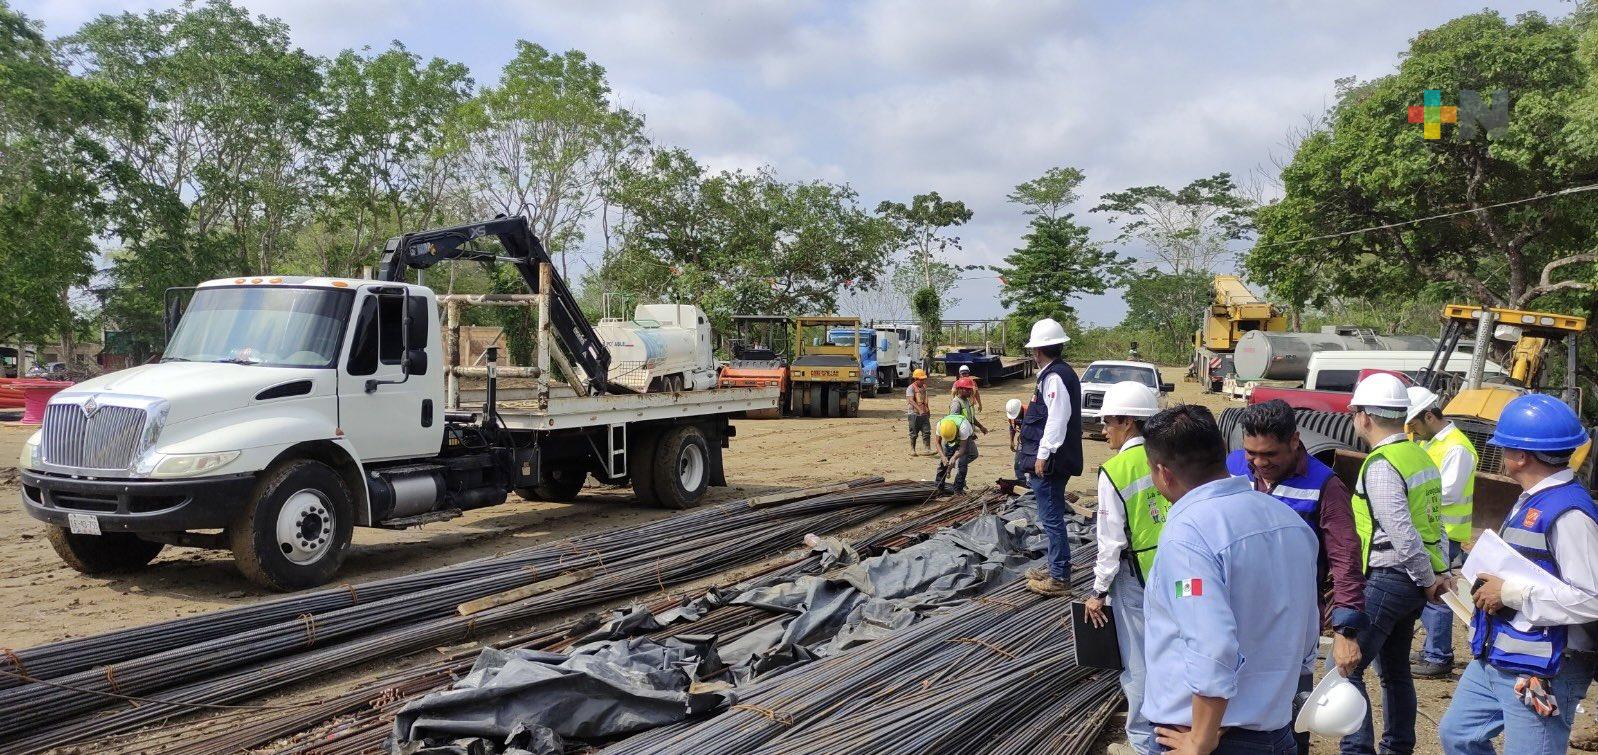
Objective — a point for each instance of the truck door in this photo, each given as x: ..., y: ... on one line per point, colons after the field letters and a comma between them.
x: 384, y: 412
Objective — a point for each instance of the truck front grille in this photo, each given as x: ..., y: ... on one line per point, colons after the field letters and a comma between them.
x: 1093, y: 400
x: 105, y: 441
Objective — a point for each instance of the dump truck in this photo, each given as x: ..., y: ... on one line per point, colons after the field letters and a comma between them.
x: 1233, y: 311
x: 286, y: 411
x: 825, y: 377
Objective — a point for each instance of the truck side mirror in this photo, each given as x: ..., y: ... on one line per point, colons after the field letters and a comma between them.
x: 177, y: 302
x: 1167, y: 387
x: 415, y: 361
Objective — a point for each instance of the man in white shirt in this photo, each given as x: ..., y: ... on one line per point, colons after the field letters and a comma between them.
x: 1050, y: 451
x: 1455, y: 458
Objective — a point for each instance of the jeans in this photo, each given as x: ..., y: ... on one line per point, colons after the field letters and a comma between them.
x: 1485, y: 704
x: 1250, y: 742
x: 960, y: 466
x: 1126, y: 598
x: 1439, y: 620
x: 1306, y: 685
x: 1050, y: 492
x: 1392, y: 603
x: 920, y: 426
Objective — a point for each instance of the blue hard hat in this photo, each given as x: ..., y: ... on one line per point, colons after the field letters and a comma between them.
x: 1538, y: 422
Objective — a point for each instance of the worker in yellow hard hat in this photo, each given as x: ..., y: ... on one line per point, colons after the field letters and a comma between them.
x: 956, y: 450
x: 918, y: 411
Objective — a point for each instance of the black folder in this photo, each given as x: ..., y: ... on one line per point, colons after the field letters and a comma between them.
x: 1096, y: 647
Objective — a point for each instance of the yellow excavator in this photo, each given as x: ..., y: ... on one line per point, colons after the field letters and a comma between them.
x: 1473, y: 401
x: 1233, y: 311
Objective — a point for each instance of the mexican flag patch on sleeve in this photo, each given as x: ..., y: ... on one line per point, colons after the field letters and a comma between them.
x: 1189, y: 588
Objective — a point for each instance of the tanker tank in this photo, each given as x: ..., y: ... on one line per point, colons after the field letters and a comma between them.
x: 665, y: 347
x: 1264, y: 355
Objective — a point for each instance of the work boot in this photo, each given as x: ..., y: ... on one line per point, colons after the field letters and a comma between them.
x: 1429, y: 670
x: 1051, y: 587
x: 1037, y: 573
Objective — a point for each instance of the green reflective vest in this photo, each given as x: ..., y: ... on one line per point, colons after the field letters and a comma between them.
x: 1456, y: 515
x: 1424, y: 489
x: 1146, y: 509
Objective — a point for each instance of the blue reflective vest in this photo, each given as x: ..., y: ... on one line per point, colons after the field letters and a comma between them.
x: 1067, y: 460
x: 1302, y: 492
x: 1493, y: 639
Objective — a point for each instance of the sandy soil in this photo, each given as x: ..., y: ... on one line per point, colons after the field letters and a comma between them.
x: 43, y: 600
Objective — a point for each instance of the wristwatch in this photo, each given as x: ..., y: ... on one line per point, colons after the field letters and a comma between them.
x: 1099, y: 594
x: 1349, y: 632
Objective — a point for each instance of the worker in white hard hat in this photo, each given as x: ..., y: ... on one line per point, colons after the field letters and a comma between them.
x: 1127, y: 528
x: 1012, y: 412
x: 918, y: 411
x: 1396, y: 500
x: 1455, y: 457
x: 976, y: 394
x: 1049, y: 452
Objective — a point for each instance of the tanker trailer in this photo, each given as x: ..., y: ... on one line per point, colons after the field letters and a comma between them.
x: 665, y: 347
x: 1266, y: 355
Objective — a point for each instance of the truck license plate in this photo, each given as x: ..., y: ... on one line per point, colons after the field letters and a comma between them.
x: 83, y: 524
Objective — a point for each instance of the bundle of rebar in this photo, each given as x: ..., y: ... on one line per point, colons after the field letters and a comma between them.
x: 246, y: 664
x: 362, y: 714
x: 996, y: 675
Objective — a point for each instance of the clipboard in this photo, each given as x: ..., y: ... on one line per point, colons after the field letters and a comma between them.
x: 1096, y: 647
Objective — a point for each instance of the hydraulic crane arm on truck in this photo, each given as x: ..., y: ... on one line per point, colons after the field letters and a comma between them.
x: 288, y: 410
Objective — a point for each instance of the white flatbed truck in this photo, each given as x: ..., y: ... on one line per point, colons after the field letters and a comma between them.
x: 288, y: 410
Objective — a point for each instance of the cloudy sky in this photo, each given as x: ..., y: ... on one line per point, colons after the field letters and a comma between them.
x: 898, y: 97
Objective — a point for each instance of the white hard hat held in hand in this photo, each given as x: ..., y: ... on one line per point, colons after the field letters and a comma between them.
x: 1047, y: 332
x: 1334, y: 709
x: 1381, y: 391
x: 1012, y: 408
x: 1129, y: 398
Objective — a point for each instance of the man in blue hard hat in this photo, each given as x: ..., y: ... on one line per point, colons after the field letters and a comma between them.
x: 1534, y: 644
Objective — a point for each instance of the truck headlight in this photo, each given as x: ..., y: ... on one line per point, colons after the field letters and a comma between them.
x: 30, y: 451
x: 189, y: 465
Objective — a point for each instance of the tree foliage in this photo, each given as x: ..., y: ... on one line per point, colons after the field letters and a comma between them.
x: 1366, y: 166
x: 1057, y: 261
x: 921, y: 232
x: 1168, y: 305
x: 1185, y: 229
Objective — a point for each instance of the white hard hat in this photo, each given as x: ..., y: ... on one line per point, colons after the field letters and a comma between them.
x: 1012, y: 408
x: 1381, y: 391
x: 965, y: 368
x: 1420, y: 400
x: 1129, y: 398
x: 1334, y: 709
x: 1046, y: 332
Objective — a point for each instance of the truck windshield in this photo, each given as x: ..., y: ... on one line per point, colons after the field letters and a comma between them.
x: 272, y: 327
x: 1115, y: 373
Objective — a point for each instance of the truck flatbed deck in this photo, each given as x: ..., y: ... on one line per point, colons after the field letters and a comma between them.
x: 571, y: 411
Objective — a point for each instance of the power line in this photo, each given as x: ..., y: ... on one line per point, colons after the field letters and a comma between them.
x: 1401, y: 223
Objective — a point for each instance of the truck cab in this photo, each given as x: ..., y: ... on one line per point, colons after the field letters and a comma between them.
x: 870, y: 370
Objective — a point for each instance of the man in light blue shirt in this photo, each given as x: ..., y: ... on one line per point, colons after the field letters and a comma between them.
x: 1231, y: 611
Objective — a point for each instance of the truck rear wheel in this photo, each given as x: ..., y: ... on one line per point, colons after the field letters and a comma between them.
x: 297, y: 527
x: 681, y: 468
x: 111, y: 553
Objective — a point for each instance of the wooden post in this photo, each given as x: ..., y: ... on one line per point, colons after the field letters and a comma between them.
x: 546, y: 274
x: 452, y: 354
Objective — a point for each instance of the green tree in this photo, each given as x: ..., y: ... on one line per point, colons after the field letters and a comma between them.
x: 740, y: 242
x: 1186, y: 229
x: 1366, y: 166
x: 218, y: 164
x: 921, y: 229
x: 1057, y: 262
x: 53, y: 176
x: 547, y: 142
x: 1169, y: 305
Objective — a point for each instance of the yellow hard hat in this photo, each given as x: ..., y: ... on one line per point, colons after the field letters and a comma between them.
x: 949, y: 429
x: 919, y: 375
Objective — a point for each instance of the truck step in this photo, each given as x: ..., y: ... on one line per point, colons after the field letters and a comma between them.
x: 407, y: 469
x: 420, y: 519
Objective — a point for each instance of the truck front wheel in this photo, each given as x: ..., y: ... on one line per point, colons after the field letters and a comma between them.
x: 297, y: 527
x: 681, y: 468
x: 110, y: 553
x: 561, y: 484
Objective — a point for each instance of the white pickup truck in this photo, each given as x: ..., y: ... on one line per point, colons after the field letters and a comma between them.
x: 286, y: 411
x: 1098, y: 378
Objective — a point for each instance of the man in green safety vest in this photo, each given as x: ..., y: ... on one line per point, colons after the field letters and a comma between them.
x: 1396, y: 502
x: 1131, y: 515
x: 1456, y: 460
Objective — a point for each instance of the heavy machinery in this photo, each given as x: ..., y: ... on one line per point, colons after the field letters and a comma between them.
x: 824, y: 376
x: 760, y: 351
x: 664, y: 347
x: 1473, y: 401
x: 870, y: 373
x: 286, y: 411
x: 1233, y: 311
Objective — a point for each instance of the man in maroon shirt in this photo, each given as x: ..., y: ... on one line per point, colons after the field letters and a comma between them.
x: 1275, y: 460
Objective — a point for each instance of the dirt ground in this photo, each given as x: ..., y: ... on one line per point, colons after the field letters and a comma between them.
x: 44, y: 601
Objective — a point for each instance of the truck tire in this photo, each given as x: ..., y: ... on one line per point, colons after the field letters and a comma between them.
x: 112, y: 553
x: 816, y: 406
x: 641, y: 463
x: 297, y: 527
x: 834, y: 401
x: 681, y: 468
x: 563, y: 484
